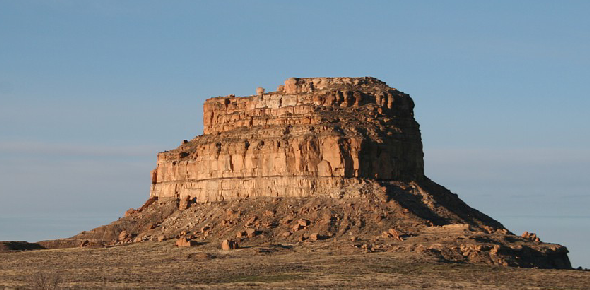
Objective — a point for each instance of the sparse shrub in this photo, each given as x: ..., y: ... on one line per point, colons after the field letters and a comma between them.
x: 46, y: 281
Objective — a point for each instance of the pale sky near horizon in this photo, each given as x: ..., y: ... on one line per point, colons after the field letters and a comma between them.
x: 90, y: 91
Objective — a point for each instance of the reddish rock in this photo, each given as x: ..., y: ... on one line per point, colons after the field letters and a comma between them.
x: 530, y: 236
x: 123, y: 236
x: 250, y: 232
x: 130, y: 212
x: 227, y: 245
x: 185, y: 242
x: 392, y: 233
x: 303, y: 223
x: 260, y: 91
x: 251, y: 221
x: 338, y: 140
x: 148, y: 202
x: 317, y: 158
x: 184, y: 203
x: 314, y: 237
x: 296, y: 227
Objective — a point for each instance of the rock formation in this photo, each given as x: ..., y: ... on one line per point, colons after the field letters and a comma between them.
x: 313, y: 137
x: 321, y: 160
x: 10, y: 246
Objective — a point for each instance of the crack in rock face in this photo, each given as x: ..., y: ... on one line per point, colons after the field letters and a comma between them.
x: 336, y: 162
x: 314, y: 137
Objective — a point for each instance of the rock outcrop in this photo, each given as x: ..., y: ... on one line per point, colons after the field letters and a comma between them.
x: 313, y: 137
x: 11, y: 246
x: 321, y: 160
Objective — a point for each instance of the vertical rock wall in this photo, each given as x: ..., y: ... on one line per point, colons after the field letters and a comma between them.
x: 316, y: 136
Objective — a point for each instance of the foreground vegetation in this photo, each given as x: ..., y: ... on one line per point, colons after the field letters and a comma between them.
x: 161, y: 265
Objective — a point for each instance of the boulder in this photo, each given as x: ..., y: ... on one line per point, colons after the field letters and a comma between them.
x: 185, y: 242
x: 250, y: 232
x: 123, y: 235
x: 315, y: 237
x: 227, y: 245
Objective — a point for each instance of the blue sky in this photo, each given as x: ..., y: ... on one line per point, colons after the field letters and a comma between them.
x: 90, y: 91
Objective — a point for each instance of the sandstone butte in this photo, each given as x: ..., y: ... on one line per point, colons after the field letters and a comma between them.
x: 336, y: 159
x: 313, y: 137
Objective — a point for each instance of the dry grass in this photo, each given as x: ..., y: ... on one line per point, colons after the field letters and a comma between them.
x: 46, y: 281
x: 153, y: 265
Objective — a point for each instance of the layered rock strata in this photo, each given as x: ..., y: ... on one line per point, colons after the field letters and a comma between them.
x: 312, y: 137
x: 335, y: 159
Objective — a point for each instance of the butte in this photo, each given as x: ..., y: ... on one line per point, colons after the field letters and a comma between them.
x: 321, y: 160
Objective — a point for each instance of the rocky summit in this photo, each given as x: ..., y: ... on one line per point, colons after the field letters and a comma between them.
x: 336, y: 162
x: 313, y: 137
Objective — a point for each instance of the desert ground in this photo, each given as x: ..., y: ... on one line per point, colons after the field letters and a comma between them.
x: 323, y: 264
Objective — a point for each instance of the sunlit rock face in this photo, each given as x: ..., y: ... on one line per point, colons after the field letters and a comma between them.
x: 337, y: 158
x: 312, y: 137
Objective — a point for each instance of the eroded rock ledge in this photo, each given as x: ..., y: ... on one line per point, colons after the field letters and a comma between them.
x: 334, y: 160
x: 312, y: 137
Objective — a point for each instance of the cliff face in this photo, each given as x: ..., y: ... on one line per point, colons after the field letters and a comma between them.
x: 312, y: 137
x: 344, y: 156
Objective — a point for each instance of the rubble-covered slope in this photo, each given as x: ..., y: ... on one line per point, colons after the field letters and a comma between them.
x: 320, y: 159
x: 387, y: 216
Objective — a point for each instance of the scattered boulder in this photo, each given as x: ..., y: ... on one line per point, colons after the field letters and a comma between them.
x: 392, y: 233
x: 315, y: 237
x: 251, y: 221
x: 530, y: 236
x: 130, y: 212
x: 185, y: 242
x: 300, y: 224
x: 227, y: 245
x: 123, y: 235
x: 184, y: 203
x: 147, y: 203
x: 303, y: 223
x: 250, y: 232
x: 231, y: 214
x: 296, y: 227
